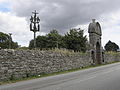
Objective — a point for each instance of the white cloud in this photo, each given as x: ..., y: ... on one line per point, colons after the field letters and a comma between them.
x: 64, y: 14
x: 111, y: 27
x: 18, y: 26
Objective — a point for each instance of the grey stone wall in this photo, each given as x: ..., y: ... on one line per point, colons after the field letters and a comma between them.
x: 111, y: 57
x: 25, y: 63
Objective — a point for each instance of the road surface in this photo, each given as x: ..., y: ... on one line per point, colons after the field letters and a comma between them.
x: 100, y: 78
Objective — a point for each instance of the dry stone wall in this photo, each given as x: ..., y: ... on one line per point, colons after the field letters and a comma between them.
x: 111, y: 57
x: 25, y: 63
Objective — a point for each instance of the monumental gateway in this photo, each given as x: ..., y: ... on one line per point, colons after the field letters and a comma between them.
x: 95, y: 34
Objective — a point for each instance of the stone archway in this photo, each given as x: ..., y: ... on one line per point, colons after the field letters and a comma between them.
x: 95, y: 34
x: 98, y: 53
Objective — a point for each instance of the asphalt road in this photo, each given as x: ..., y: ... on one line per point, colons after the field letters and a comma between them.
x: 100, y: 78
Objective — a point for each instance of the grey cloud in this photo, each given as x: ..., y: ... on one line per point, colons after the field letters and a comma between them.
x: 64, y: 14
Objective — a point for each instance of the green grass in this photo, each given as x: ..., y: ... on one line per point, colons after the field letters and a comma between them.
x: 51, y: 74
x: 113, y: 53
x: 66, y: 51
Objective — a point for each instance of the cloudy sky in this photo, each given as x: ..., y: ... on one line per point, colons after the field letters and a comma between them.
x: 61, y: 15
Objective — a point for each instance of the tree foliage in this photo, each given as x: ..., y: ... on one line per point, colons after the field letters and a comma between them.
x: 111, y: 46
x: 53, y: 39
x: 74, y: 40
x: 41, y: 42
x: 6, y: 40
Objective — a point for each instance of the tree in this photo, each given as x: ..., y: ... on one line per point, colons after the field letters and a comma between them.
x: 14, y: 45
x: 75, y: 40
x: 31, y: 44
x: 54, y: 39
x: 111, y: 46
x: 5, y: 41
x: 41, y: 42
